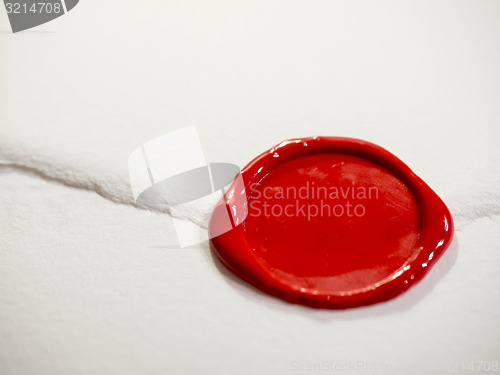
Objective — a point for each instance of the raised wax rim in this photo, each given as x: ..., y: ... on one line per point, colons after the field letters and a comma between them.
x: 435, y: 229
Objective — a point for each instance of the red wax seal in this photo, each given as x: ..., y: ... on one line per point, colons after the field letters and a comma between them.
x: 330, y: 223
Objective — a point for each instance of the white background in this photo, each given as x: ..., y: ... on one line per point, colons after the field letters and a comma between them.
x: 89, y: 284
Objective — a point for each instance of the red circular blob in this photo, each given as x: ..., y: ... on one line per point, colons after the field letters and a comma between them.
x: 330, y: 223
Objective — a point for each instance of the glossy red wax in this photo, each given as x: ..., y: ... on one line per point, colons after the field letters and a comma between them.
x: 331, y: 223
